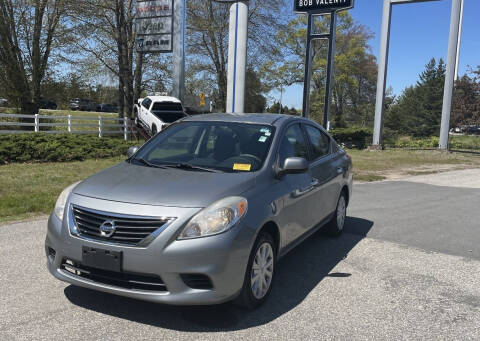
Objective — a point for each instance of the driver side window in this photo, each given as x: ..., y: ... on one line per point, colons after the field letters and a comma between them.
x: 293, y: 144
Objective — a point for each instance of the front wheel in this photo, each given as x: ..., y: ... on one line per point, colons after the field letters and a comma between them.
x: 154, y: 130
x: 260, y: 271
x: 337, y: 223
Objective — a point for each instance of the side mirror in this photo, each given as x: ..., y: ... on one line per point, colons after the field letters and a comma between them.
x: 293, y: 165
x: 131, y: 151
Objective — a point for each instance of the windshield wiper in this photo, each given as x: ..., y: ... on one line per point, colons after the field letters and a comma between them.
x: 149, y: 164
x: 188, y: 166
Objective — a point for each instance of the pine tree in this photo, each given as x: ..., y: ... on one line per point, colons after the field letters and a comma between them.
x: 418, y: 111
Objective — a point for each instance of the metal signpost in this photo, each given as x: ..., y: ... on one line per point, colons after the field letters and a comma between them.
x: 313, y: 8
x: 154, y: 26
x: 160, y: 28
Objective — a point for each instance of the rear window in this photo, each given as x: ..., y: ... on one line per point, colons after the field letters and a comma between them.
x: 167, y: 106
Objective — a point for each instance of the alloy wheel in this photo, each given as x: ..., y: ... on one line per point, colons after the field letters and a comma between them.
x: 341, y: 212
x: 262, y: 271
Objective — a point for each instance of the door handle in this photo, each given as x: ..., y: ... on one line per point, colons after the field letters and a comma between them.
x: 299, y: 192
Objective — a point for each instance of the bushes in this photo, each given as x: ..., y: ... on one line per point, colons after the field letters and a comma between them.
x: 409, y: 142
x: 353, y: 137
x: 38, y: 147
x: 456, y: 142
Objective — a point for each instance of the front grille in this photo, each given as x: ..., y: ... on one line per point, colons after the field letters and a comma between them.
x: 128, y: 230
x: 126, y: 280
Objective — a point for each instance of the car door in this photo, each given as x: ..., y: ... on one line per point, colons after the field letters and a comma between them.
x: 325, y: 169
x: 296, y: 216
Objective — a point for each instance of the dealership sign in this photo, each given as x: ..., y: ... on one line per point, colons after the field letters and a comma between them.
x: 321, y: 6
x: 154, y: 26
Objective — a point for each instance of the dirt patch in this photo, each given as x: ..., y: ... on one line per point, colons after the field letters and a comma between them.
x: 407, y: 172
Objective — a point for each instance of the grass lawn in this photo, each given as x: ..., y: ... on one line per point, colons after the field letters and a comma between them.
x: 28, y: 190
x: 391, y: 164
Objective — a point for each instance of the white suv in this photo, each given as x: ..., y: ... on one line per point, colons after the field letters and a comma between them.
x: 154, y: 113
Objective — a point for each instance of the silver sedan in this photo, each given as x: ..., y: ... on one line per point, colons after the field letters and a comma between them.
x: 201, y: 213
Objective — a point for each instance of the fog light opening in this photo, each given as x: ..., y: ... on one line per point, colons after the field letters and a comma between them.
x: 51, y: 254
x: 197, y: 281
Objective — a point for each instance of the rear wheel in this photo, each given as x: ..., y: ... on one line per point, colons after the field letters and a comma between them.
x: 135, y: 116
x: 260, y: 271
x: 337, y: 223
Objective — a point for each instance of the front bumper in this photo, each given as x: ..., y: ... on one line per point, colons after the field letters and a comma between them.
x: 222, y: 258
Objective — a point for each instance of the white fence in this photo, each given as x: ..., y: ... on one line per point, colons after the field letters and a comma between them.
x: 102, y: 126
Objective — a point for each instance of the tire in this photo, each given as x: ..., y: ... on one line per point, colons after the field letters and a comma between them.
x: 251, y: 295
x: 135, y: 115
x: 336, y: 225
x: 154, y: 130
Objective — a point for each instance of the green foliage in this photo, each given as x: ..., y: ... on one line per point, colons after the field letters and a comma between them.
x: 353, y: 137
x: 465, y: 142
x: 466, y: 101
x: 255, y: 102
x: 275, y: 109
x: 456, y: 142
x: 418, y: 111
x: 409, y: 142
x: 40, y: 147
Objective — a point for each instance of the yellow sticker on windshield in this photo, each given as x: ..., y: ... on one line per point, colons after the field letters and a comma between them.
x: 242, y: 167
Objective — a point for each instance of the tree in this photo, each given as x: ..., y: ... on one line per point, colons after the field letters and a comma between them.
x: 255, y: 102
x: 353, y: 92
x: 418, y: 111
x: 29, y: 30
x: 104, y: 30
x: 466, y: 101
x: 207, y: 39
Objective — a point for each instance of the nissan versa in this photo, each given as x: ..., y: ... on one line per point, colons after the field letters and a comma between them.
x: 201, y: 213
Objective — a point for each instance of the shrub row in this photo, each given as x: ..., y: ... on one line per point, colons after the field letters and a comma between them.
x: 409, y: 142
x: 456, y: 142
x: 40, y: 147
x: 353, y: 137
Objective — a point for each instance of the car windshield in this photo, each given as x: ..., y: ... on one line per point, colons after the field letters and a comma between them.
x: 220, y: 146
x: 169, y: 117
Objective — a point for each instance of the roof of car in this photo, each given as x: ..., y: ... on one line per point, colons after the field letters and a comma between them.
x: 164, y: 99
x: 241, y: 118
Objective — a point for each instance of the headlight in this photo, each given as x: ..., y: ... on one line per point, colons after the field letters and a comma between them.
x: 216, y: 218
x: 62, y: 199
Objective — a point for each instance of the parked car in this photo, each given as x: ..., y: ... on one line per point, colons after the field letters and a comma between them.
x: 3, y: 102
x: 154, y: 113
x: 202, y: 212
x: 82, y: 104
x: 107, y: 107
x: 48, y: 104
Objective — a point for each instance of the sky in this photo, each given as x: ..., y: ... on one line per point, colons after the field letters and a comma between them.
x: 419, y: 32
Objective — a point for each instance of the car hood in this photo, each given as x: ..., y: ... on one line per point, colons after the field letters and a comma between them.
x: 131, y: 183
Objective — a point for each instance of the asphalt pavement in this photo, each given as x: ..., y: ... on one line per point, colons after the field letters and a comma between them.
x: 408, y: 267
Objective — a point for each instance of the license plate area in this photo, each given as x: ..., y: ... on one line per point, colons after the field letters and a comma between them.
x: 102, y: 259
